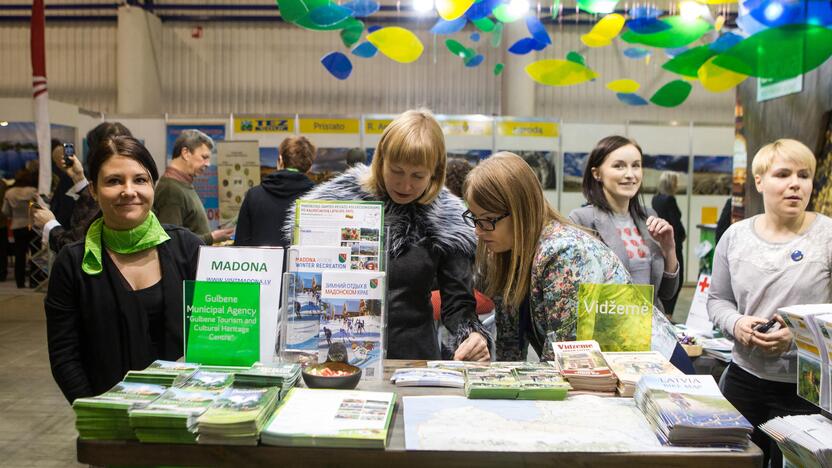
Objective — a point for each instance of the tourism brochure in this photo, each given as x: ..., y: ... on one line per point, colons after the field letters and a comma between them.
x: 824, y: 324
x: 428, y: 377
x: 689, y: 410
x: 456, y: 365
x: 584, y: 366
x: 302, y: 318
x: 803, y: 439
x: 237, y: 416
x: 630, y: 367
x: 283, y: 376
x: 210, y: 381
x: 352, y: 313
x: 540, y: 382
x: 491, y: 383
x: 106, y: 416
x: 812, y: 360
x: 617, y: 316
x: 161, y: 372
x: 171, y: 418
x: 222, y: 323
x: 261, y: 265
x: 355, y: 225
x: 331, y: 418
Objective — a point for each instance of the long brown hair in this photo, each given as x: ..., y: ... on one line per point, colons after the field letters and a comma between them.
x: 504, y: 183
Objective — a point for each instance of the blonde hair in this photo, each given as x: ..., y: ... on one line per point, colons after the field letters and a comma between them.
x: 786, y: 148
x: 504, y: 183
x: 414, y: 138
x: 668, y: 182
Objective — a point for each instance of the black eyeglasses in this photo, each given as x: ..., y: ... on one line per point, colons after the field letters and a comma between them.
x: 486, y: 224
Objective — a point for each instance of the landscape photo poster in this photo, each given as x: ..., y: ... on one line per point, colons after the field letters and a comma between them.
x: 618, y: 316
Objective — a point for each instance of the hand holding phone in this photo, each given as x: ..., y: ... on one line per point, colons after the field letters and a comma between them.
x: 69, y: 151
x: 765, y: 327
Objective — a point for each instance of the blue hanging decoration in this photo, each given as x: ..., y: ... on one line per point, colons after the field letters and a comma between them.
x: 362, y: 8
x: 475, y: 37
x: 647, y: 25
x: 373, y: 28
x: 448, y: 27
x: 639, y: 12
x: 481, y: 9
x: 725, y: 42
x: 474, y: 61
x: 523, y: 46
x: 631, y: 99
x: 537, y: 30
x: 365, y: 50
x: 636, y: 53
x: 337, y: 64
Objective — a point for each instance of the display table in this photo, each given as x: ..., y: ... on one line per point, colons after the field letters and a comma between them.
x: 136, y: 453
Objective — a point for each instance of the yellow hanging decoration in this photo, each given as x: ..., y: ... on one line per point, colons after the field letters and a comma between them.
x: 717, y: 79
x: 625, y: 86
x: 604, y: 31
x: 716, y: 2
x: 719, y: 23
x: 452, y: 9
x: 556, y: 72
x: 397, y: 44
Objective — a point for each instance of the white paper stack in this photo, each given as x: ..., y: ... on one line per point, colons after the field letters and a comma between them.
x: 804, y: 440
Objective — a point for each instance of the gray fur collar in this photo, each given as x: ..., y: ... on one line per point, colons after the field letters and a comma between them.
x: 439, y: 224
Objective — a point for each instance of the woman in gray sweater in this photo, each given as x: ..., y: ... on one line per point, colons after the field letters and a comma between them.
x: 780, y: 258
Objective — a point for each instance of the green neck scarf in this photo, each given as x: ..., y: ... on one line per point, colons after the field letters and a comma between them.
x: 142, y: 237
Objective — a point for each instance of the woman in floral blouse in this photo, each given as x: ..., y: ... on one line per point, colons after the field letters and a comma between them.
x: 531, y: 256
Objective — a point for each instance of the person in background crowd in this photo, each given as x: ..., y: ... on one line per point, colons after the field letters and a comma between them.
x: 531, y: 256
x: 779, y: 258
x: 457, y: 170
x: 177, y: 202
x: 114, y: 302
x: 664, y: 203
x: 644, y: 242
x: 76, y: 201
x: 16, y: 207
x: 724, y: 221
x: 428, y: 239
x: 356, y: 156
x: 4, y: 234
x: 264, y: 208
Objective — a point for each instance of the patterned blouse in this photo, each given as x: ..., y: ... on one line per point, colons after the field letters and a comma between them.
x: 566, y: 257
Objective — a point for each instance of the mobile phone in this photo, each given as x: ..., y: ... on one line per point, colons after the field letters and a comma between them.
x: 765, y: 327
x: 69, y: 150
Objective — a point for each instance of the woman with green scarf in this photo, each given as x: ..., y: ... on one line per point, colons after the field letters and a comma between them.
x: 115, y: 299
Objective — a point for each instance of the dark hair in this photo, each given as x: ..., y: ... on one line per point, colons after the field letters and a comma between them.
x: 457, y: 169
x: 126, y: 146
x: 297, y: 152
x: 594, y: 189
x: 104, y: 131
x: 356, y: 156
x: 56, y: 143
x: 191, y: 139
x: 26, y: 178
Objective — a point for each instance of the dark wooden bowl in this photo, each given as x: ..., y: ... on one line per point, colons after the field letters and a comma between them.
x: 345, y: 382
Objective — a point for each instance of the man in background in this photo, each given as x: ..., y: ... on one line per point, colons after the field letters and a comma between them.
x: 176, y: 200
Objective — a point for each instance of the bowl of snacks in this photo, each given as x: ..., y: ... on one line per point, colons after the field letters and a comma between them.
x: 339, y: 375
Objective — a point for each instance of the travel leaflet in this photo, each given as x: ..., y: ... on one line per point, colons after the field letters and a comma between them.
x: 812, y: 383
x: 355, y: 225
x: 352, y: 313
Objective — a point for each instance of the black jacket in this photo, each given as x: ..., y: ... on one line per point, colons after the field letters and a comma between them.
x: 427, y: 243
x: 264, y: 209
x: 94, y: 335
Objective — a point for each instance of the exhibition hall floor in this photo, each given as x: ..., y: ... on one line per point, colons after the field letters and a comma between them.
x: 36, y: 423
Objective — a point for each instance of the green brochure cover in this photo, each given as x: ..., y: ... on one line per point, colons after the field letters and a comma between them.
x: 222, y: 323
x: 618, y: 316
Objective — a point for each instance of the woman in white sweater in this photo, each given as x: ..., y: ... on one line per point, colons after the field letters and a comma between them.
x: 779, y: 258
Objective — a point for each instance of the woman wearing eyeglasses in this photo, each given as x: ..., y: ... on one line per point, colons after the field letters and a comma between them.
x: 429, y: 242
x: 531, y: 256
